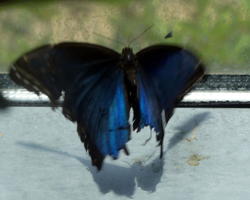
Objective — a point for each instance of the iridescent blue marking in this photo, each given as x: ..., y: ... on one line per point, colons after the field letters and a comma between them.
x: 118, y: 127
x: 149, y: 107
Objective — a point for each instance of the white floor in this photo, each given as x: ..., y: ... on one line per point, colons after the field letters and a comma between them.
x: 207, y: 157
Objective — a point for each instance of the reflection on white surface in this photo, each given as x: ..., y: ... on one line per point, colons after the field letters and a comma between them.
x: 207, y: 96
x: 22, y: 95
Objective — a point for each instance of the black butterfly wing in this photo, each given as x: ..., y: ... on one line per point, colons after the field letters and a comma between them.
x: 91, y: 83
x: 165, y: 74
x: 50, y: 69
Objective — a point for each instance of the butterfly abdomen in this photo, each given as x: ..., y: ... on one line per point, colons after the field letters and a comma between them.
x: 132, y: 96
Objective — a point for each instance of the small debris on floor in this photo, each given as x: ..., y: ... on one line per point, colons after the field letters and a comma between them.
x: 194, y: 160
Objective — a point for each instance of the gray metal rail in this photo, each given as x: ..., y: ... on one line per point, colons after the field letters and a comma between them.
x: 212, y: 91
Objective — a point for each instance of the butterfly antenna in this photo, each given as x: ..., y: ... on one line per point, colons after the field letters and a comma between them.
x: 138, y: 36
x: 118, y: 41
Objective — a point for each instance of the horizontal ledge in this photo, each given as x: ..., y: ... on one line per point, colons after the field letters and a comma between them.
x: 196, y: 98
x: 220, y: 96
x: 216, y: 98
x: 215, y: 90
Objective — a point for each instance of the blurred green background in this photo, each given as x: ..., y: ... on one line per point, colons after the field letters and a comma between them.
x: 218, y: 31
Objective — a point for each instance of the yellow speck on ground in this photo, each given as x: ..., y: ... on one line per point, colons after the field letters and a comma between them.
x: 194, y: 160
x: 192, y: 138
x: 1, y: 134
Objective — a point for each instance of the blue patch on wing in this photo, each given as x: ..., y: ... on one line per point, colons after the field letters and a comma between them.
x: 117, y: 133
x: 150, y: 112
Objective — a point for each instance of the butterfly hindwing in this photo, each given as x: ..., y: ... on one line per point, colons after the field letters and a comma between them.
x: 166, y: 73
x: 150, y: 110
x: 102, y: 116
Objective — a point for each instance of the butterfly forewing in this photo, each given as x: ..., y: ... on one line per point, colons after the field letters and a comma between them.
x: 33, y: 71
x: 70, y: 59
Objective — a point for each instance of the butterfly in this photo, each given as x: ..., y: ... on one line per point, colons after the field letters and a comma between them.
x: 99, y: 86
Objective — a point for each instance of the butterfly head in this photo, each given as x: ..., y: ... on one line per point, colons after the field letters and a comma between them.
x: 128, y: 58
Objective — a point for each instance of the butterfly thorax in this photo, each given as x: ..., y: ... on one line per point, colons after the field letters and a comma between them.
x: 128, y: 63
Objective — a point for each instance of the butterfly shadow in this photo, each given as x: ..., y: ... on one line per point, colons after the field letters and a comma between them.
x: 186, y: 128
x: 118, y: 179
